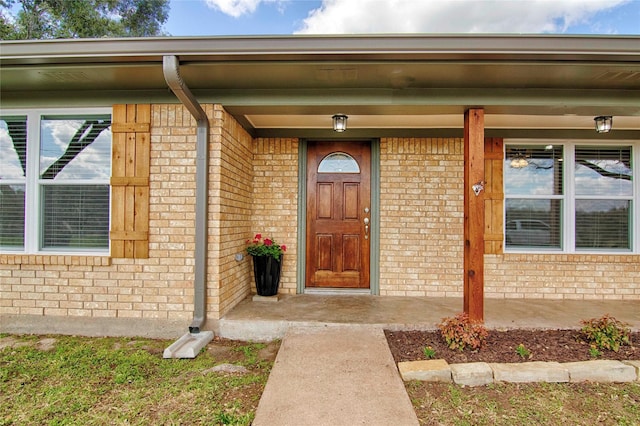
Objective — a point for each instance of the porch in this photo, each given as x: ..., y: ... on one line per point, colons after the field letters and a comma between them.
x: 261, y: 319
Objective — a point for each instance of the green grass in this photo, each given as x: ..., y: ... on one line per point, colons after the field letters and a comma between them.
x: 117, y: 381
x: 526, y: 404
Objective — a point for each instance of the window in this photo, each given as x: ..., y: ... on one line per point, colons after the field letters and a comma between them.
x: 13, y: 164
x: 54, y: 182
x: 569, y: 197
x: 604, y: 194
x: 338, y: 162
x: 534, y: 196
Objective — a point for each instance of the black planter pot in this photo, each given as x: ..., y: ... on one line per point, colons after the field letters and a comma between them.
x: 266, y: 272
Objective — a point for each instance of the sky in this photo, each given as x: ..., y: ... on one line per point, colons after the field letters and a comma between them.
x: 281, y: 17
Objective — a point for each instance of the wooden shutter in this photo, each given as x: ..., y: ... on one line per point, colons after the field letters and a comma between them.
x: 494, y: 196
x: 131, y: 129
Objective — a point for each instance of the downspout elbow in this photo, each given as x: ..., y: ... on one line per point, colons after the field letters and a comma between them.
x: 170, y: 68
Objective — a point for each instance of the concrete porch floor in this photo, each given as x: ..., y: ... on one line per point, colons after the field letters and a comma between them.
x: 267, y: 320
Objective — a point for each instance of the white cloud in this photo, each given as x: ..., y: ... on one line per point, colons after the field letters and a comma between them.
x: 237, y: 8
x: 449, y: 16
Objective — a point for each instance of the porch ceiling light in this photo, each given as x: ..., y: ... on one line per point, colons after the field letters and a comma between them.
x: 519, y: 160
x: 603, y: 123
x: 340, y: 122
x: 519, y: 163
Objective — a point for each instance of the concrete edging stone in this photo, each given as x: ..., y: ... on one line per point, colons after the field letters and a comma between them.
x: 482, y: 373
x: 530, y: 372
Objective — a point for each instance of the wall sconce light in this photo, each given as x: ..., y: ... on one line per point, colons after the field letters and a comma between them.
x: 604, y: 123
x: 340, y: 122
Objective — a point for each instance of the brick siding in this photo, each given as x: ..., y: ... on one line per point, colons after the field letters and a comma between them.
x: 563, y: 276
x: 253, y: 188
x: 230, y: 213
x: 421, y: 219
x: 275, y: 200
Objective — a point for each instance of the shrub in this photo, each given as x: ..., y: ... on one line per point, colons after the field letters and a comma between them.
x: 459, y: 332
x: 606, y: 333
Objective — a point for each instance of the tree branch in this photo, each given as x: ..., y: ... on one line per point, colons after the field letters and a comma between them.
x: 80, y: 141
x: 602, y: 171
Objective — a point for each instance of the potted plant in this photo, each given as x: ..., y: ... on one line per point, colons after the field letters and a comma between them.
x: 267, y: 262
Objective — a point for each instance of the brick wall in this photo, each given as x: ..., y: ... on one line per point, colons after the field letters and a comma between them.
x: 230, y: 208
x: 54, y: 285
x: 421, y: 219
x: 421, y: 243
x: 253, y: 188
x: 275, y: 200
x: 549, y: 276
x: 168, y: 273
x: 160, y: 287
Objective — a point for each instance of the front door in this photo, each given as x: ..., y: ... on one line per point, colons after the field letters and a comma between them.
x: 338, y: 214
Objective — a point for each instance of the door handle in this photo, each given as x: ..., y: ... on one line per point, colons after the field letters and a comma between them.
x: 366, y: 228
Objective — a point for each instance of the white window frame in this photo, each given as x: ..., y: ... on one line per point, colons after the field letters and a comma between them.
x: 567, y: 224
x: 33, y: 222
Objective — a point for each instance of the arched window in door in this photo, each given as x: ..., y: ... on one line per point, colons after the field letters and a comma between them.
x: 338, y: 162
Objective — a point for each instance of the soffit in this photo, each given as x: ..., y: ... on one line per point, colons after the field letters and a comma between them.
x: 316, y: 75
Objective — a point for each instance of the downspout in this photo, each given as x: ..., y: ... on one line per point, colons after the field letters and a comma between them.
x: 170, y: 68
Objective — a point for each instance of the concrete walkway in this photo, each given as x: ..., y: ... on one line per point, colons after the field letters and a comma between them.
x: 335, y: 375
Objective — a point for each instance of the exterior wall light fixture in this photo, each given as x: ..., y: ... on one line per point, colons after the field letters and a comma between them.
x: 340, y: 122
x: 604, y: 123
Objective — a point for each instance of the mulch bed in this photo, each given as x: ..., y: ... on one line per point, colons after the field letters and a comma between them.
x: 500, y: 346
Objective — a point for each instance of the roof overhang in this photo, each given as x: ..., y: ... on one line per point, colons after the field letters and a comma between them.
x: 385, y: 83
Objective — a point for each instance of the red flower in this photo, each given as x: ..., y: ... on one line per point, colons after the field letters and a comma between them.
x: 283, y: 247
x: 265, y: 247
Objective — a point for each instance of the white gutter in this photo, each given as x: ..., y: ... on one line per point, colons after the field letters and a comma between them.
x: 170, y: 65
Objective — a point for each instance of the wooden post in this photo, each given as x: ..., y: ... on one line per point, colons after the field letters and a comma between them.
x: 474, y: 214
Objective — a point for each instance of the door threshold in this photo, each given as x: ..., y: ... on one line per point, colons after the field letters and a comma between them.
x: 338, y: 291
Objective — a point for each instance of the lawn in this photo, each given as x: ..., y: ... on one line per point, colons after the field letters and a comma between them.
x: 62, y: 380
x: 59, y: 380
x: 526, y: 404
